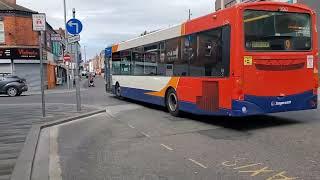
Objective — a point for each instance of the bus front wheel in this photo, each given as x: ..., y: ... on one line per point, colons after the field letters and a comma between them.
x: 172, y: 103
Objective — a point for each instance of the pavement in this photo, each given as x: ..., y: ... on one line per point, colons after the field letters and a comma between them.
x: 19, y: 114
x: 138, y: 141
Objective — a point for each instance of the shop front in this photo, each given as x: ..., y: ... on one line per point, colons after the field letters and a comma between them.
x: 23, y: 62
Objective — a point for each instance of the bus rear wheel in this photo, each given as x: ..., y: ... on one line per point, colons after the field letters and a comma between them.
x: 172, y: 103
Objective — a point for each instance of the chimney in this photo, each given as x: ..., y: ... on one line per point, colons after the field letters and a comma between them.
x: 11, y: 1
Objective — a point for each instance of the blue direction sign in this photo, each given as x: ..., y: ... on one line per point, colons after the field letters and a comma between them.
x: 74, y: 26
x: 108, y: 52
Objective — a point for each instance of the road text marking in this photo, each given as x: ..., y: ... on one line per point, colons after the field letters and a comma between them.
x: 167, y: 147
x: 131, y: 126
x: 256, y: 169
x: 145, y: 134
x: 197, y: 163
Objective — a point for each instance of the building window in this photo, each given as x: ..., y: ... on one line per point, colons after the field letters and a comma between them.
x: 2, y: 35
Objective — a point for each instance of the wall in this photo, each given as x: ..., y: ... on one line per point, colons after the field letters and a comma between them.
x: 51, y: 76
x: 18, y: 31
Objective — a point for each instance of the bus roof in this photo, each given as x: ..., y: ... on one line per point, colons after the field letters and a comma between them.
x: 179, y: 30
x: 160, y: 35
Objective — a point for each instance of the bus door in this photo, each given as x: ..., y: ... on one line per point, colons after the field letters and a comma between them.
x: 108, y: 75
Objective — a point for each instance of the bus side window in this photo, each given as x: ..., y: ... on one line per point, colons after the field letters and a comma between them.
x: 137, y: 61
x: 116, y: 70
x: 226, y: 33
x: 125, y: 65
x: 173, y: 56
x: 209, y: 54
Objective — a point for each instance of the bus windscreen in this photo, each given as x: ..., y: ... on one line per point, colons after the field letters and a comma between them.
x: 277, y: 31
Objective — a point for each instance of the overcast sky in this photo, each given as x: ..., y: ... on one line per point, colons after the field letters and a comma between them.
x: 110, y: 21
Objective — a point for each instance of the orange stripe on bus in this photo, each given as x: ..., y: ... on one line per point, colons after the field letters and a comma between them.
x: 115, y: 48
x: 172, y: 83
x: 183, y: 29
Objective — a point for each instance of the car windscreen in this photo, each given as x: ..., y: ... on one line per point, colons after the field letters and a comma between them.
x: 277, y: 31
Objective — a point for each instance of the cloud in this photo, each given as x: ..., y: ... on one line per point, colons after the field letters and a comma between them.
x: 110, y: 21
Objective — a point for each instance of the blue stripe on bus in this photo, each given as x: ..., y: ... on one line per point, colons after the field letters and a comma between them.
x: 140, y: 95
x: 255, y: 105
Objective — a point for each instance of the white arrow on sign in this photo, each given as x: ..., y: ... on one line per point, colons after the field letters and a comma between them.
x: 73, y: 39
x: 74, y: 24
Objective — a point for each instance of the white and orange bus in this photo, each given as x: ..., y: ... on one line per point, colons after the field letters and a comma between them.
x: 251, y: 58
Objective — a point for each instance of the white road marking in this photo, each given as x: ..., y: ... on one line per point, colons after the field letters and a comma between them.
x: 167, y: 147
x: 197, y: 163
x: 54, y: 159
x: 131, y: 126
x: 145, y: 134
x: 118, y: 109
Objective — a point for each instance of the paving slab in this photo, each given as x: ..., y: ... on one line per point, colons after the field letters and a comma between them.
x: 15, y: 123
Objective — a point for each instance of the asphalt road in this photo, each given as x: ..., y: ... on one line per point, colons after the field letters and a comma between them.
x: 139, y: 141
x: 95, y: 96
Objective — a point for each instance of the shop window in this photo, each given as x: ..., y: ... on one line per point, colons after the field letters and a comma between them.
x: 2, y: 33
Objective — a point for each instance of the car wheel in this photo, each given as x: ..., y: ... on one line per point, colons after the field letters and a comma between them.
x: 172, y: 103
x: 118, y: 90
x: 12, y: 91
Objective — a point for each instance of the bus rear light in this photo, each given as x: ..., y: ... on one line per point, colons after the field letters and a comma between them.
x: 240, y: 94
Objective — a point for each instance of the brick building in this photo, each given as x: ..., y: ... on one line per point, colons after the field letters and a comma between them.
x: 315, y: 4
x: 19, y: 47
x: 97, y: 64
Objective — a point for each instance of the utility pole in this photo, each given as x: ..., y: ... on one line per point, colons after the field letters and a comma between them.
x: 41, y: 75
x: 190, y: 14
x: 39, y: 24
x: 78, y: 96
x: 66, y: 40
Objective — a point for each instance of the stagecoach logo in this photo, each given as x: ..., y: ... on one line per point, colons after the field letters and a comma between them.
x: 280, y: 103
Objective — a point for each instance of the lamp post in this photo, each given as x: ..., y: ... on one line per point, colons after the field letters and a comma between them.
x: 66, y: 39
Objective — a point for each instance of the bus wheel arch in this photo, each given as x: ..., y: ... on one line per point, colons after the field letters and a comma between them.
x: 172, y: 102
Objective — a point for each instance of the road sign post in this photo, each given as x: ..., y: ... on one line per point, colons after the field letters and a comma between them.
x: 39, y: 24
x: 74, y: 27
